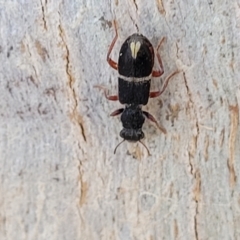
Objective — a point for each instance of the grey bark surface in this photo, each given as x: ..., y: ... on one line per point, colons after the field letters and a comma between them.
x: 59, y: 176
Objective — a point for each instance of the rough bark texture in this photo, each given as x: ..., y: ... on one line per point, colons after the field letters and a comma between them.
x: 59, y: 176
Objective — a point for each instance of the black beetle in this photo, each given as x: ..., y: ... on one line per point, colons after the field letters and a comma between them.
x: 135, y: 68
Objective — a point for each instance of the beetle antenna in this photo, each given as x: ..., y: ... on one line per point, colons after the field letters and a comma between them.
x: 149, y: 154
x: 118, y: 146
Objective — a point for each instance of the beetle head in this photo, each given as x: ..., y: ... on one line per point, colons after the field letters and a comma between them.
x: 132, y: 120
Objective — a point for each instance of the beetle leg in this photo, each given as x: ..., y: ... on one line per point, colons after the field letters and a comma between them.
x: 111, y: 98
x: 159, y: 72
x: 151, y: 118
x: 109, y: 60
x: 158, y: 93
x: 116, y: 112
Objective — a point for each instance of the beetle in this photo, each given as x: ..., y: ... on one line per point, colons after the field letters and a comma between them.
x: 135, y: 69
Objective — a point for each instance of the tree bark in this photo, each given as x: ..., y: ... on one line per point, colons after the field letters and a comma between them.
x: 59, y: 176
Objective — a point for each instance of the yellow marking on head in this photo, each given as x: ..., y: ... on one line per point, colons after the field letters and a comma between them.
x: 135, y: 46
